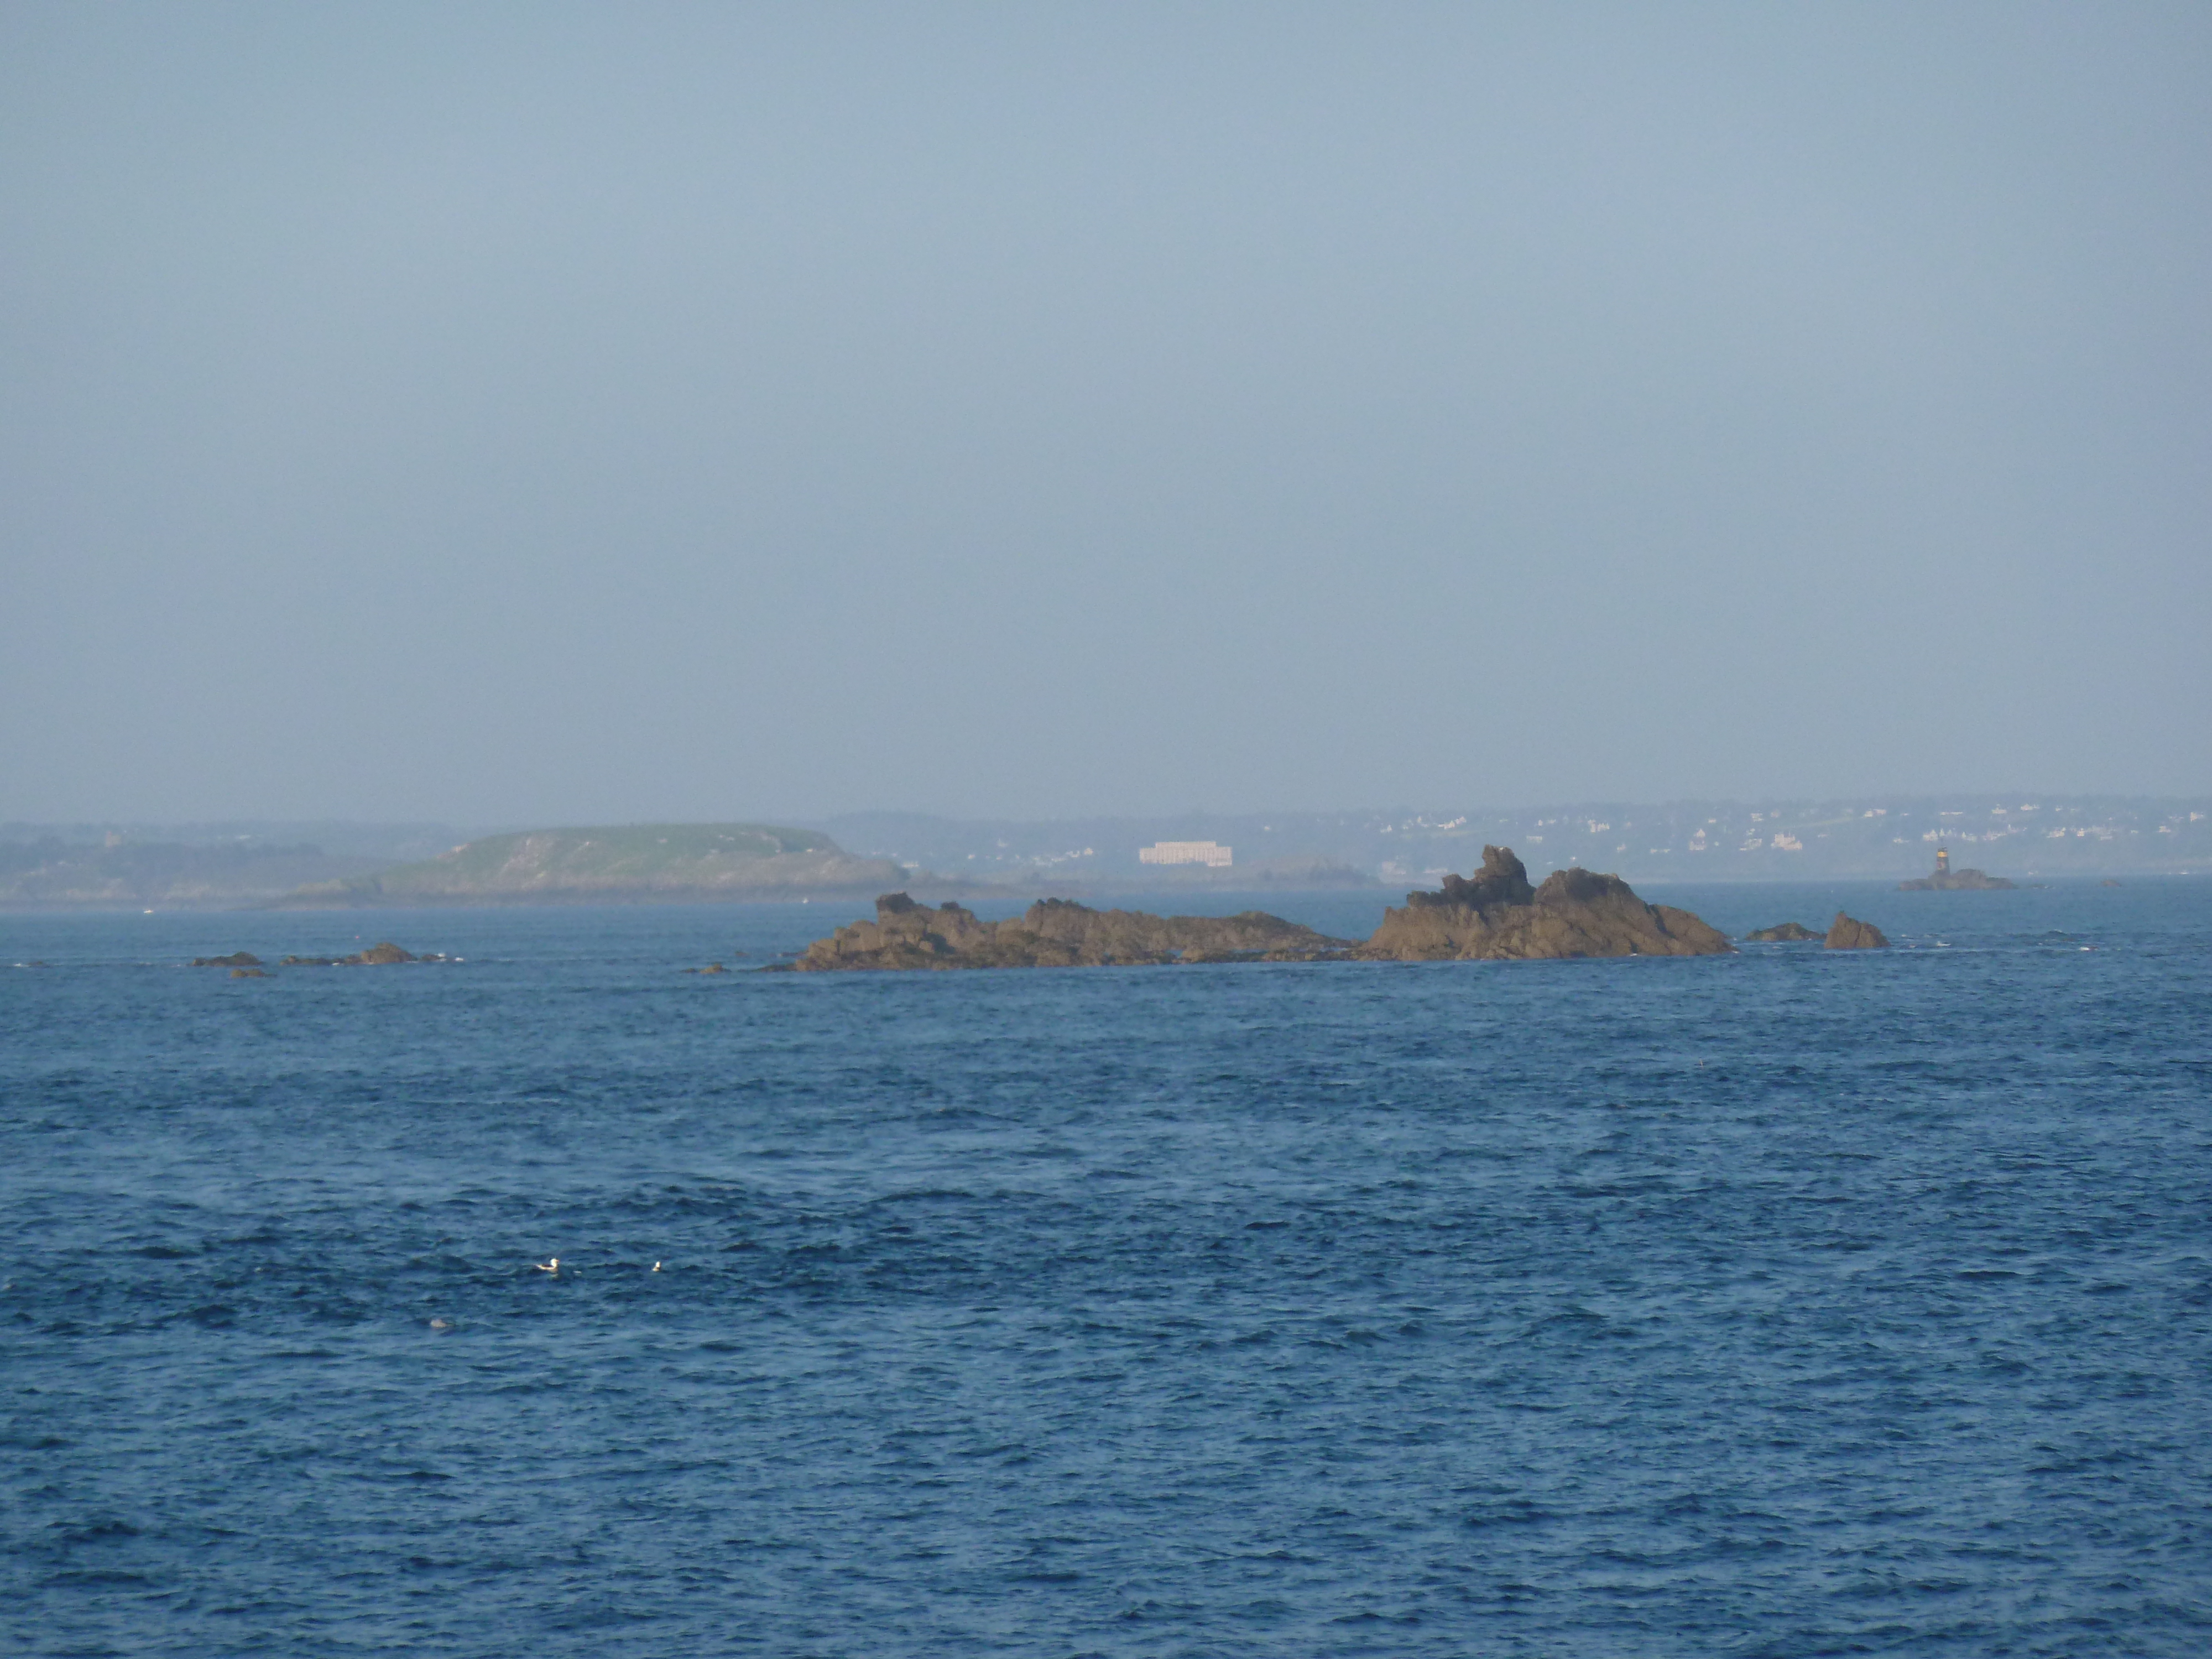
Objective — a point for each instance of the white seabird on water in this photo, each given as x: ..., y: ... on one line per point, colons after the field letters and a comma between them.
x: 550, y: 1265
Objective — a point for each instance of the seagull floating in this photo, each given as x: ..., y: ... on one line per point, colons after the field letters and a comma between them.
x: 550, y: 1265
x: 656, y: 1267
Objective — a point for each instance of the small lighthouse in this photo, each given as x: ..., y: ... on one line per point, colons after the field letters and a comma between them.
x: 1947, y: 880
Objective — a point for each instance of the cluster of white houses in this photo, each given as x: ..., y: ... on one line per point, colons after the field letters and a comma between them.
x: 1210, y: 852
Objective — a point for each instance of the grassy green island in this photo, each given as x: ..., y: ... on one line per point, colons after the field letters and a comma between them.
x: 669, y: 863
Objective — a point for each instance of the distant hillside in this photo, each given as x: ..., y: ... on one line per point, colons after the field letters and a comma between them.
x: 663, y: 863
x: 52, y: 873
x: 361, y: 845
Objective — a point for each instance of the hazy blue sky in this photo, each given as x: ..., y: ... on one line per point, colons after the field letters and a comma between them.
x: 569, y: 413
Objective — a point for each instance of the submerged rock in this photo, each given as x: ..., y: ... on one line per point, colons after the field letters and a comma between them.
x: 1782, y: 933
x: 1848, y: 933
x: 250, y: 973
x: 1495, y: 915
x: 1057, y: 933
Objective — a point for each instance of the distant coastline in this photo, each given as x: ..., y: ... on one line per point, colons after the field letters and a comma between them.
x: 324, y: 865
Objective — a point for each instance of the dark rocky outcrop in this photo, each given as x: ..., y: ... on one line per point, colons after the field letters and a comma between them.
x: 1495, y: 915
x: 1783, y: 932
x: 1057, y: 933
x: 235, y: 959
x: 1502, y: 880
x: 250, y: 972
x: 383, y: 954
x: 1848, y: 934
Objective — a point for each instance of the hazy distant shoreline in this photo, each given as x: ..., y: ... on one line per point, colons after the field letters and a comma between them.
x: 332, y: 866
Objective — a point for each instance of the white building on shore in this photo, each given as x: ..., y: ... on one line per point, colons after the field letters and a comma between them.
x: 1212, y: 853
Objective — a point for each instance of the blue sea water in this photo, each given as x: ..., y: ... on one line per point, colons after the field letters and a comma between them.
x: 1790, y: 1303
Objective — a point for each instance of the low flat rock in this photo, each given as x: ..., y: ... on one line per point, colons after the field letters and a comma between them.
x: 383, y: 954
x: 1957, y: 881
x: 1783, y: 932
x: 1495, y: 915
x: 1057, y: 933
x: 1944, y: 879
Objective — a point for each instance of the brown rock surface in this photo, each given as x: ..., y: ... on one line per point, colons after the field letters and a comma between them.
x: 1782, y: 933
x: 1495, y: 915
x: 1057, y: 934
x: 1848, y: 934
x: 236, y: 959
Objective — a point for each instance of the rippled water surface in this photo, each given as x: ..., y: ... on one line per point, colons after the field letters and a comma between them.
x: 1790, y: 1303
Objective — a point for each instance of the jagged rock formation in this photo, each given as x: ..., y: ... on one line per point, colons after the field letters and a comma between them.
x: 236, y: 959
x: 1495, y: 915
x: 1848, y: 934
x: 1784, y: 932
x: 653, y: 863
x: 1057, y: 933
